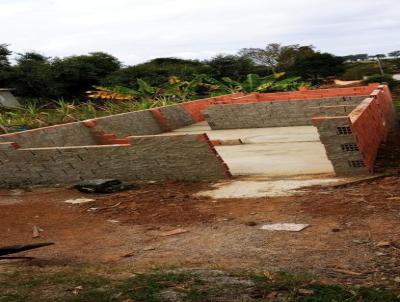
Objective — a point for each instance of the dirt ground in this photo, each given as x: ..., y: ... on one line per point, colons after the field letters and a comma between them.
x: 353, y: 235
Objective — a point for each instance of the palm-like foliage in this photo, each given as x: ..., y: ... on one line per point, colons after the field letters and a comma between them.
x: 255, y: 83
x: 118, y: 93
x: 175, y: 89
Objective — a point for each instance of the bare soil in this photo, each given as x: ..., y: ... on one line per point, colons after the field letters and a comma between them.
x: 353, y: 235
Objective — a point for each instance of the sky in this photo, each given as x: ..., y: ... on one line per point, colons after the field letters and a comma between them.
x: 139, y: 30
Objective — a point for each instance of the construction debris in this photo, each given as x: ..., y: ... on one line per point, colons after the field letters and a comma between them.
x: 128, y: 255
x: 113, y: 220
x: 174, y: 232
x: 100, y: 186
x: 347, y: 272
x: 360, y: 180
x: 78, y: 200
x: 36, y: 231
x: 290, y: 227
x: 6, y: 250
x: 383, y: 244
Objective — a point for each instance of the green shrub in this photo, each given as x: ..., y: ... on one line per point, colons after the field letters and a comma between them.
x: 377, y: 78
x: 357, y: 71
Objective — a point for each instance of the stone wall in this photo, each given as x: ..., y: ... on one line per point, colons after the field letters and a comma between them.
x: 91, y: 132
x: 176, y: 116
x: 86, y: 132
x: 71, y: 134
x: 181, y: 157
x: 265, y: 114
x: 128, y: 124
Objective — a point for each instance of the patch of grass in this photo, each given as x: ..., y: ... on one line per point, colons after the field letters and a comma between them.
x: 33, y: 115
x: 82, y: 286
x: 396, y: 97
x: 30, y: 285
x: 77, y: 286
x: 303, y: 288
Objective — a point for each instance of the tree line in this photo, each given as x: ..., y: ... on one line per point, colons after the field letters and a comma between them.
x: 33, y: 75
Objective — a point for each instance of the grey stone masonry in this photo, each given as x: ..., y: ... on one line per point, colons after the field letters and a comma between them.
x: 340, y: 145
x: 181, y: 157
x: 72, y: 134
x: 177, y: 116
x: 127, y: 124
x: 276, y: 113
x: 76, y: 134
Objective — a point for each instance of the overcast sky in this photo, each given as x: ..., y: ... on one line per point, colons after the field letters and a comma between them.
x: 139, y: 30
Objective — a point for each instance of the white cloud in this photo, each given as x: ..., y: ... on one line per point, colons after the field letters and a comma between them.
x: 139, y: 30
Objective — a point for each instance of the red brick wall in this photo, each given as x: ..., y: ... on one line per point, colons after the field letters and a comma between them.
x: 371, y: 122
x: 308, y: 94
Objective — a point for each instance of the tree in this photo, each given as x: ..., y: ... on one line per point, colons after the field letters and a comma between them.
x: 291, y: 53
x: 275, y: 56
x: 235, y: 67
x: 267, y: 56
x: 395, y: 54
x: 5, y: 66
x: 74, y: 75
x: 378, y: 58
x: 318, y: 65
x: 31, y: 76
x: 156, y: 72
x: 356, y: 57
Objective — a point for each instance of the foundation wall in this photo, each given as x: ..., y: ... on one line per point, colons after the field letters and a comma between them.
x: 177, y: 116
x: 340, y: 145
x: 145, y: 122
x: 128, y: 124
x: 263, y: 114
x: 86, y: 132
x: 352, y: 142
x: 186, y: 158
x: 124, y: 146
x: 72, y: 134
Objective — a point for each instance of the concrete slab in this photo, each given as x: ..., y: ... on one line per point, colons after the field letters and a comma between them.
x: 255, y: 135
x: 276, y: 159
x: 264, y: 187
x: 277, y: 151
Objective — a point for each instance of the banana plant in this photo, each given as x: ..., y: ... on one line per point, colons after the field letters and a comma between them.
x: 179, y: 90
x: 255, y: 83
x: 118, y: 93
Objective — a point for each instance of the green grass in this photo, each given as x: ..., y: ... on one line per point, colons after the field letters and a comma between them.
x: 32, y: 284
x: 32, y: 115
x: 292, y: 286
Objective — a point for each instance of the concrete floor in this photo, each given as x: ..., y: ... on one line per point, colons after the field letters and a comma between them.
x: 255, y: 188
x: 278, y: 151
